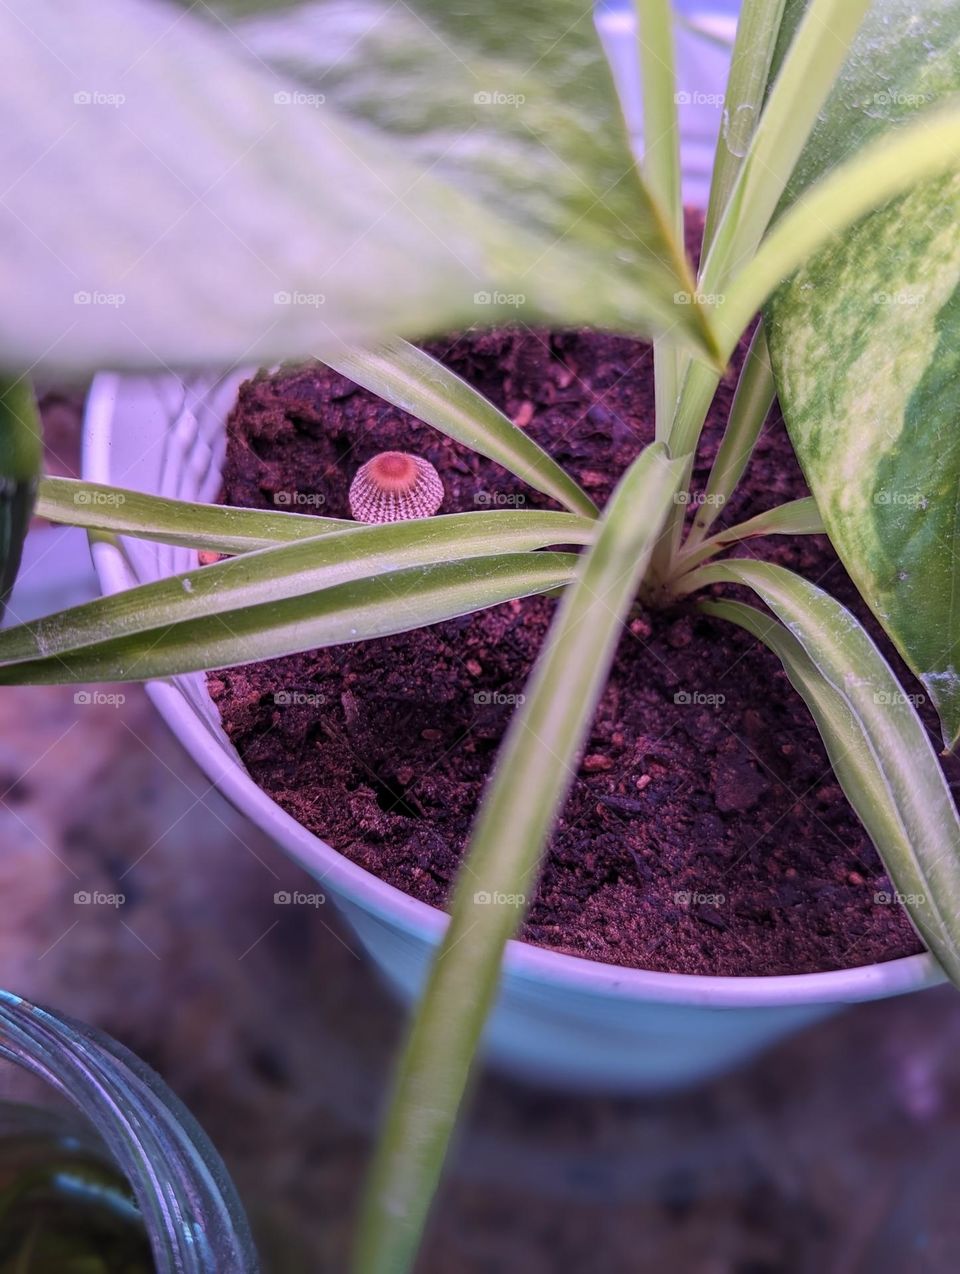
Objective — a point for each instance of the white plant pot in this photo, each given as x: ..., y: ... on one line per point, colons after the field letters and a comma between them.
x: 559, y: 1020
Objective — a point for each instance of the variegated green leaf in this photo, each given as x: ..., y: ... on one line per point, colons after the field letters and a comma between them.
x: 417, y: 383
x: 534, y: 771
x: 287, y: 571
x: 391, y: 602
x: 865, y: 343
x: 20, y: 452
x: 227, y: 204
x: 217, y: 528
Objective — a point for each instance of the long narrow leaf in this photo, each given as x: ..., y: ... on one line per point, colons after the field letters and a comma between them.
x: 661, y: 165
x: 20, y: 452
x: 806, y: 76
x: 757, y: 31
x: 813, y: 62
x: 885, y: 168
x: 360, y: 609
x: 417, y: 383
x: 880, y: 754
x: 214, y: 527
x: 751, y: 404
x: 796, y: 517
x: 275, y: 574
x: 534, y: 771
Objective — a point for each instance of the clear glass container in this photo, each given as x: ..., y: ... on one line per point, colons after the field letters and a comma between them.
x: 70, y: 1095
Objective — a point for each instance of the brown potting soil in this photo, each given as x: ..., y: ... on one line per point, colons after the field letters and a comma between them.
x: 705, y: 831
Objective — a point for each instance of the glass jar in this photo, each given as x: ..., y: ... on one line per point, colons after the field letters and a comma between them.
x: 97, y: 1102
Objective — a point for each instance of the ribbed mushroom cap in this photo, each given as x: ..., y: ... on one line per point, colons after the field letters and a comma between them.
x: 393, y: 486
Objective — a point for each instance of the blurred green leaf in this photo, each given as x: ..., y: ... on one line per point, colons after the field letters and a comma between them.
x: 20, y: 455
x: 865, y: 338
x: 223, y: 210
x: 535, y: 768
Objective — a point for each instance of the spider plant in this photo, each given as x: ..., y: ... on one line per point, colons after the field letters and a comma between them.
x: 835, y: 196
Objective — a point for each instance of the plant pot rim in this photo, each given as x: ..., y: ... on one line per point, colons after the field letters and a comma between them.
x: 523, y: 960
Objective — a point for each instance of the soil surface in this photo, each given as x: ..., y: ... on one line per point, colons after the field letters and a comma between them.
x: 705, y: 832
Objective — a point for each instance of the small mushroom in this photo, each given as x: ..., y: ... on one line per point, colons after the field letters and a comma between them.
x: 394, y: 486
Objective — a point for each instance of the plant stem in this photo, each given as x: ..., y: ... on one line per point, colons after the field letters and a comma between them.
x: 21, y: 452
x: 661, y: 165
x: 757, y: 32
x: 753, y: 400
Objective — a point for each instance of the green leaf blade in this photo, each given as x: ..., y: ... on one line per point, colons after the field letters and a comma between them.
x: 225, y: 212
x: 214, y: 528
x: 533, y: 773
x: 20, y: 456
x: 357, y: 610
x: 864, y: 338
x: 912, y: 811
x: 219, y: 593
x: 417, y: 383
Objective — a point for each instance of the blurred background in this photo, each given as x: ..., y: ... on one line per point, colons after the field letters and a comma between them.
x: 837, y: 1152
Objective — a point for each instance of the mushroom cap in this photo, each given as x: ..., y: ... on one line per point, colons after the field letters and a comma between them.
x: 394, y: 486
